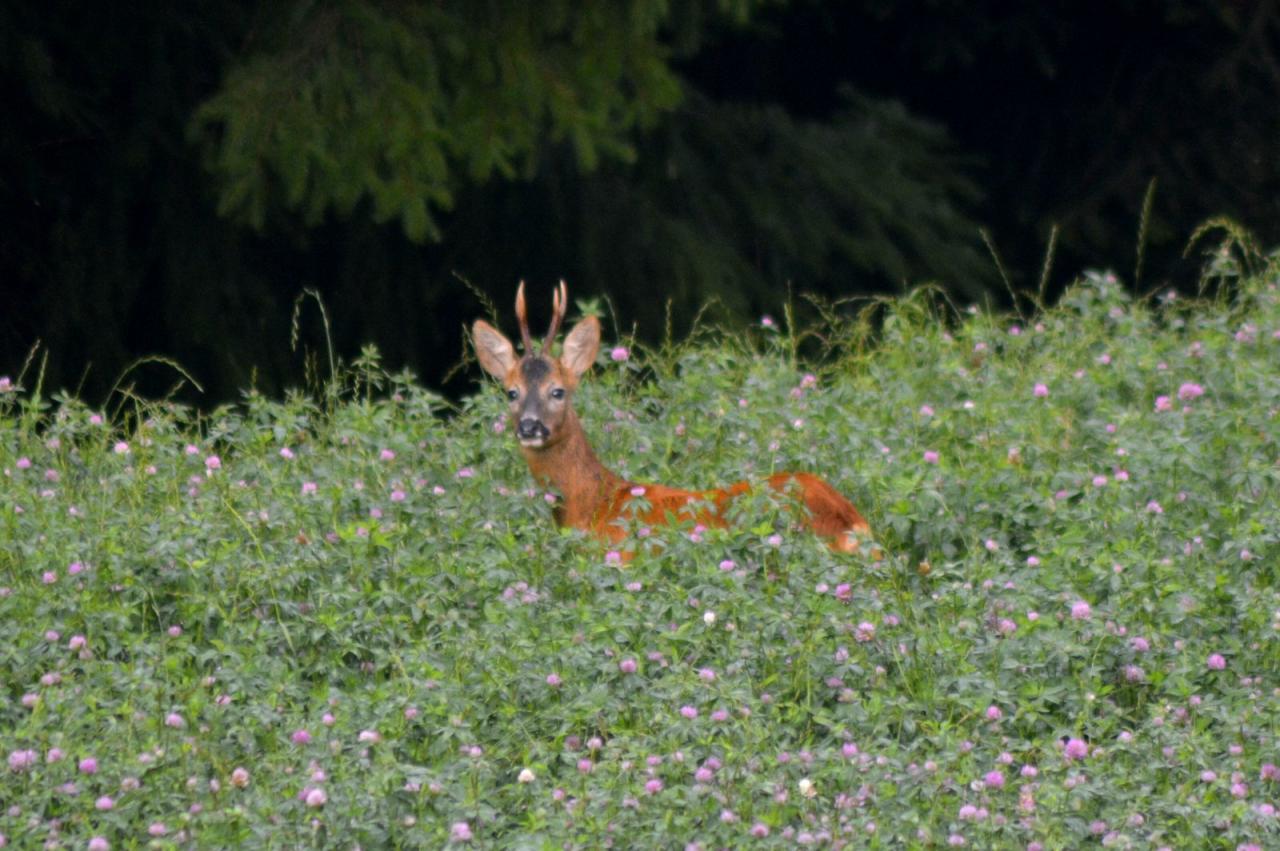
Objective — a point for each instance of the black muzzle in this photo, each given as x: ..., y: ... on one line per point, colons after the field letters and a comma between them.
x: 531, y: 429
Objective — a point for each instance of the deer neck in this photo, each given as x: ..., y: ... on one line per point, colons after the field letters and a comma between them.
x: 571, y: 467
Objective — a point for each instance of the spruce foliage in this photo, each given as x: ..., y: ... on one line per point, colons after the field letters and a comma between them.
x: 401, y: 103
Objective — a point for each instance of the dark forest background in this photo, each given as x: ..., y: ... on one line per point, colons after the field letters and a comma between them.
x: 172, y: 176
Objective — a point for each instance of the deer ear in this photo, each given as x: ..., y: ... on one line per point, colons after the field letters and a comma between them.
x: 495, y: 351
x: 580, y: 346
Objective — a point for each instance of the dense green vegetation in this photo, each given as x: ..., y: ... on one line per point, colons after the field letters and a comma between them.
x: 345, y: 618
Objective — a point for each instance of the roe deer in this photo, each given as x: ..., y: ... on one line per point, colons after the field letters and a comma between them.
x: 540, y: 389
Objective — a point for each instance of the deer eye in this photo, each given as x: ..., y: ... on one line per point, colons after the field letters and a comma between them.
x: 513, y: 394
x: 557, y: 393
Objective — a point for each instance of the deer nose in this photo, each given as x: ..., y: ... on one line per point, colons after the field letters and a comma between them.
x: 530, y: 429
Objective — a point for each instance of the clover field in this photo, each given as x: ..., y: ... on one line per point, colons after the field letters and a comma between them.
x: 345, y: 619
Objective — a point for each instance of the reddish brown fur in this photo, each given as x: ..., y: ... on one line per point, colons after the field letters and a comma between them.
x: 594, y: 497
x: 828, y: 513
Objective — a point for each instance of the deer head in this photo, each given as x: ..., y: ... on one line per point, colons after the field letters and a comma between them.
x: 539, y: 386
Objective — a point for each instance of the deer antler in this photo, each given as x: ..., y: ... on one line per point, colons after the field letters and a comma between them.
x: 559, y: 306
x: 523, y: 316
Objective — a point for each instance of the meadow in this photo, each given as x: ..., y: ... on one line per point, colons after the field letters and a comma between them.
x: 345, y: 619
